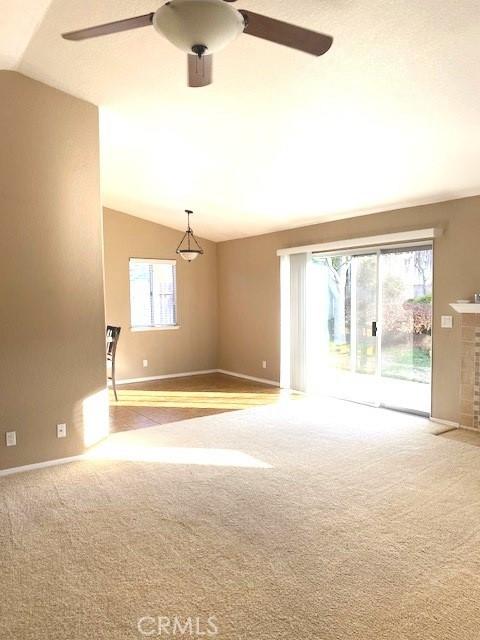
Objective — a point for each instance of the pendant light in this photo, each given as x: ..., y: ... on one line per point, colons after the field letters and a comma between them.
x: 189, y: 248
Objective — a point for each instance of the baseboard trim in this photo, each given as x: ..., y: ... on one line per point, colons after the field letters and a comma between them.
x: 40, y: 465
x: 463, y: 426
x: 447, y: 423
x: 273, y: 383
x: 454, y: 425
x: 164, y: 377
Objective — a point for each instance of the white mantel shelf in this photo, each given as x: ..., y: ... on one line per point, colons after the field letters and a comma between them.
x: 466, y: 307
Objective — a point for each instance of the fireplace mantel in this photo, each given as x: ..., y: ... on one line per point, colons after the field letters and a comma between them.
x: 465, y: 307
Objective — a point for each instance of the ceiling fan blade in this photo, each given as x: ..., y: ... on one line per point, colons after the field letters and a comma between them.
x: 199, y: 70
x: 110, y: 27
x: 285, y: 33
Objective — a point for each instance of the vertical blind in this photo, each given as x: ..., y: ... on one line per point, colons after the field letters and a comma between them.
x: 152, y: 293
x: 294, y: 321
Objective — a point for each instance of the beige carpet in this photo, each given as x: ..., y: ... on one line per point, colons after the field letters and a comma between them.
x: 298, y: 521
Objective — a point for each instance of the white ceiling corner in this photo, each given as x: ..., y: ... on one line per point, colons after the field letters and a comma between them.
x: 19, y: 21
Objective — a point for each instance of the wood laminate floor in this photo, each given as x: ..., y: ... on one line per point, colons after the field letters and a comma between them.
x: 156, y: 402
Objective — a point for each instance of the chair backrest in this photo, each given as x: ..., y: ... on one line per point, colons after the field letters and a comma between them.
x: 113, y: 333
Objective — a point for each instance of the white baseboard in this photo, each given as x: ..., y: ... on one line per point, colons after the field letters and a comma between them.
x: 40, y: 465
x: 186, y: 374
x: 447, y: 423
x: 454, y: 425
x: 462, y: 426
x: 164, y: 377
x: 273, y: 383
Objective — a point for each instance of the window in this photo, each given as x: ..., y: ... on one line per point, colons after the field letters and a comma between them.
x: 153, y: 295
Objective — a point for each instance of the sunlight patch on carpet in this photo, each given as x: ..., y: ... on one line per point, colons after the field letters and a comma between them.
x: 131, y: 452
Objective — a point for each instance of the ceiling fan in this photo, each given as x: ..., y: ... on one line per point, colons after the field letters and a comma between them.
x: 203, y: 27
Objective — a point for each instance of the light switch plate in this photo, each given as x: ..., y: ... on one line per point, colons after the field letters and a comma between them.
x: 447, y: 322
x: 11, y: 438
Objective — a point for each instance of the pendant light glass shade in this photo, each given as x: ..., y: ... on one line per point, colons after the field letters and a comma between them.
x: 189, y: 255
x: 189, y: 248
x: 186, y: 23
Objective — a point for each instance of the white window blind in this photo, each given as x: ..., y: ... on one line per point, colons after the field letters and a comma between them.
x: 295, y: 323
x: 298, y: 321
x: 153, y: 294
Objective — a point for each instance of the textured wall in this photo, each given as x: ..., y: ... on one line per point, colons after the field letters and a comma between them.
x: 249, y: 288
x: 192, y: 347
x: 52, y: 345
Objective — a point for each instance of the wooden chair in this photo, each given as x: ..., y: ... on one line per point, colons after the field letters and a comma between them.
x: 113, y: 333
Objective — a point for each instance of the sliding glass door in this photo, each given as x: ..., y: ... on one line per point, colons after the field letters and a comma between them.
x: 369, y: 335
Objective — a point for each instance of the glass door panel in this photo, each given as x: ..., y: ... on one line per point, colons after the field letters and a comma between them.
x: 406, y: 328
x: 370, y: 335
x: 343, y: 355
x: 364, y: 270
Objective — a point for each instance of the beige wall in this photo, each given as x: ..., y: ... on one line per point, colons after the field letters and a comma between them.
x: 192, y: 347
x: 51, y: 283
x: 249, y: 288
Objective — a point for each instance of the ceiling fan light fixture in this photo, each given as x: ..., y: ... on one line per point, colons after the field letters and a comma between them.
x: 189, y: 23
x: 202, y: 27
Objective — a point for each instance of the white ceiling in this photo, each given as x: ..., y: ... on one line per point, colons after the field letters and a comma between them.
x: 389, y: 117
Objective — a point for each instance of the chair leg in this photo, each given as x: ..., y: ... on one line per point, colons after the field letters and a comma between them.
x: 114, y: 385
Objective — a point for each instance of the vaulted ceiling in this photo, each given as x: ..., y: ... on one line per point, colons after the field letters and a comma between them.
x: 389, y: 117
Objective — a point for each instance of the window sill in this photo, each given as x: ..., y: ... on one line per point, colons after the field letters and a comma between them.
x: 163, y: 328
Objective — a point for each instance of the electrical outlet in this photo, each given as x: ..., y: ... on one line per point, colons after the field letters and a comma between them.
x: 11, y: 438
x: 264, y: 364
x: 145, y: 363
x: 61, y: 430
